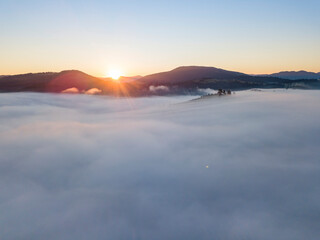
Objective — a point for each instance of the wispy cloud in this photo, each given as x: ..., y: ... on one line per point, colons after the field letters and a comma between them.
x: 159, y: 88
x: 93, y: 91
x: 74, y: 90
x: 71, y: 90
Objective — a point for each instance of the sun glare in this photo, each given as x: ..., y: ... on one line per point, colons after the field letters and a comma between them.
x: 115, y: 74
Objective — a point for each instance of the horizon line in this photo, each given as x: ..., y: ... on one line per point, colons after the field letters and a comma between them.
x: 135, y: 75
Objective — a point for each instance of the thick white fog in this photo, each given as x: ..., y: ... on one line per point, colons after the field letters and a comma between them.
x: 245, y: 166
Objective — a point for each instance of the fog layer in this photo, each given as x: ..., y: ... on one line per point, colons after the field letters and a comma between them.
x: 245, y: 166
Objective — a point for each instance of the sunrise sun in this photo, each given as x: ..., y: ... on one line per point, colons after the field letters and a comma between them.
x: 115, y: 74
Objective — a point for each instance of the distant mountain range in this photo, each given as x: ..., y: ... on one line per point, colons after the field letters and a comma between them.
x: 182, y: 80
x: 194, y: 77
x: 292, y: 75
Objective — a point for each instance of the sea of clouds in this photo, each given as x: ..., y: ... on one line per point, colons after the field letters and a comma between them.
x: 245, y: 166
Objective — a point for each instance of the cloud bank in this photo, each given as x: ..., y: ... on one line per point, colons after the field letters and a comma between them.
x: 244, y: 166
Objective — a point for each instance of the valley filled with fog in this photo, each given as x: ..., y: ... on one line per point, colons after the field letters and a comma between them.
x: 244, y: 166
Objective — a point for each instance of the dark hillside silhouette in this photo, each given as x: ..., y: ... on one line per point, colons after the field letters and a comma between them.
x: 181, y: 80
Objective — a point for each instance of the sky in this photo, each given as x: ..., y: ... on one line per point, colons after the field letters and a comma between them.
x: 95, y: 167
x: 142, y: 37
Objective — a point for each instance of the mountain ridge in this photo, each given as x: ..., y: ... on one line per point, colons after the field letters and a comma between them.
x: 294, y: 75
x: 177, y: 81
x: 188, y: 73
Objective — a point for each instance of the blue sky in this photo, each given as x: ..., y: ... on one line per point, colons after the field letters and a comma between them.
x: 141, y: 37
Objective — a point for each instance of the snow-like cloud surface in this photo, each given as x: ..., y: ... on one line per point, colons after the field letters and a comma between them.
x: 245, y: 166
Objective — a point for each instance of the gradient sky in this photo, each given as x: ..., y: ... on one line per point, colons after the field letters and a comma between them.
x: 142, y: 37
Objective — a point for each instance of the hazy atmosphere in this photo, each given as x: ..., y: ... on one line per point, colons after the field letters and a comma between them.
x: 91, y: 167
